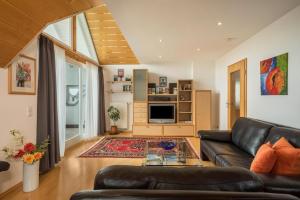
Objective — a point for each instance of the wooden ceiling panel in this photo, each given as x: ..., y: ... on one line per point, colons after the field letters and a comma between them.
x: 110, y: 44
x: 21, y: 21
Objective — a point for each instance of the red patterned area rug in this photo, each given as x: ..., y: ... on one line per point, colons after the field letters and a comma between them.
x: 131, y: 147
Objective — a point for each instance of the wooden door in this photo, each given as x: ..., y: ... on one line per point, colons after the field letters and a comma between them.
x: 237, y: 91
x: 203, y: 110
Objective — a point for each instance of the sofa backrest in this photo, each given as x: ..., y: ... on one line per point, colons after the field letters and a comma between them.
x: 291, y: 134
x: 249, y: 134
x: 171, y: 178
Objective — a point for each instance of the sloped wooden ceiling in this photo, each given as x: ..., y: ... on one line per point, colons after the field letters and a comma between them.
x: 22, y: 20
x: 110, y: 44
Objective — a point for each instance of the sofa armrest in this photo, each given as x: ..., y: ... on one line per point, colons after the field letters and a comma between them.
x: 215, y: 135
x: 4, y: 166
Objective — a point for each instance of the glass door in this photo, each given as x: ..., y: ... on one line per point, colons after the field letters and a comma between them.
x: 75, y: 100
x: 236, y: 92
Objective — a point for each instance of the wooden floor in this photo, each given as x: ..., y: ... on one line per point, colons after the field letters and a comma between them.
x: 74, y: 174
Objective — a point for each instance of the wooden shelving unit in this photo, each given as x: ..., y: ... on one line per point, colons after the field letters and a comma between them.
x: 185, y: 101
x: 120, y: 87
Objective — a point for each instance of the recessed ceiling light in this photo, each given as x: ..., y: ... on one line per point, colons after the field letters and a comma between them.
x: 198, y: 49
x: 160, y: 40
x: 219, y: 23
x: 160, y: 57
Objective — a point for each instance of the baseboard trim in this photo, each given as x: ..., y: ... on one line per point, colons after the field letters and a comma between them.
x: 13, y: 188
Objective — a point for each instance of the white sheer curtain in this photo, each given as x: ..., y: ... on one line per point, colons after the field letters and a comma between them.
x: 91, y: 101
x: 60, y: 63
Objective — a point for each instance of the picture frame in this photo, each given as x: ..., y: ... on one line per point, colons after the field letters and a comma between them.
x: 72, y: 98
x: 163, y: 81
x: 22, y: 76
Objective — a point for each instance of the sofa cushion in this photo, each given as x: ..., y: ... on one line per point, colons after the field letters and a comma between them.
x: 281, y: 184
x: 234, y: 161
x: 249, y: 134
x: 173, y: 178
x: 288, y: 158
x: 264, y: 160
x: 213, y: 148
x: 291, y: 134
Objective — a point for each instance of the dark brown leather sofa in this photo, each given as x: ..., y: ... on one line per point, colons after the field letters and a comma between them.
x: 166, y: 183
x: 239, y: 146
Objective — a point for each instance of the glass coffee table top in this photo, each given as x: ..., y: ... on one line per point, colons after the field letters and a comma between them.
x: 157, y: 156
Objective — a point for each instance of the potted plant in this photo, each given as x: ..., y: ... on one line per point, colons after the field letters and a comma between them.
x: 114, y: 115
x: 30, y: 154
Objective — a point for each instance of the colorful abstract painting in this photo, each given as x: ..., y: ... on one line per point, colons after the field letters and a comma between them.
x: 274, y: 75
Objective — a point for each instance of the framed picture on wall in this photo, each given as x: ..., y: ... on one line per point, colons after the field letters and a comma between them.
x: 274, y: 75
x: 22, y: 76
x: 163, y: 81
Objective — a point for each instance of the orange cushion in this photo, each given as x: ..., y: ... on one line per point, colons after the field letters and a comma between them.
x: 282, y: 143
x: 288, y: 158
x: 264, y: 160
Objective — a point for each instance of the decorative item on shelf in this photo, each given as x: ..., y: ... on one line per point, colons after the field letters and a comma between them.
x: 151, y: 88
x: 126, y: 88
x: 161, y: 90
x: 120, y: 74
x: 114, y: 115
x: 157, y: 90
x: 128, y: 78
x: 181, y: 97
x: 167, y: 145
x: 115, y: 77
x: 163, y: 81
x: 30, y: 154
x: 186, y: 86
x: 175, y: 90
x: 274, y: 75
x: 22, y: 76
x: 172, y: 86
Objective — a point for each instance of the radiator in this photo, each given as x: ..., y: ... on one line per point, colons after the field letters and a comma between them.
x: 123, y: 122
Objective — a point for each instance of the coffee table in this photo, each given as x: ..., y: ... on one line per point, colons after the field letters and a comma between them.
x: 157, y: 156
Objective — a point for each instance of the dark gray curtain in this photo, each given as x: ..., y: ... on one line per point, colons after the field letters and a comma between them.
x: 47, y: 122
x: 101, y: 118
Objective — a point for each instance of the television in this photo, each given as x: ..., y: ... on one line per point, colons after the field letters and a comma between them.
x: 162, y: 113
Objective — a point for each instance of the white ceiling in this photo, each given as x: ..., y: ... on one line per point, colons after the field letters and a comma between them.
x: 185, y: 25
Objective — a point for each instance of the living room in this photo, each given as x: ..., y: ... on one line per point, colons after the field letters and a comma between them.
x: 204, y: 89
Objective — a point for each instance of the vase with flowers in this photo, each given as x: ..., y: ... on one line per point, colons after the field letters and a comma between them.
x: 30, y: 154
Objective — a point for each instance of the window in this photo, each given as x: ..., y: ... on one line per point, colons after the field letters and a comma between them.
x: 61, y: 31
x: 84, y: 41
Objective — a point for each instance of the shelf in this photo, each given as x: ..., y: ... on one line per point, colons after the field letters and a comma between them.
x: 162, y: 101
x: 185, y: 101
x: 185, y: 90
x: 185, y: 112
x: 120, y: 82
x: 119, y: 92
x: 162, y: 94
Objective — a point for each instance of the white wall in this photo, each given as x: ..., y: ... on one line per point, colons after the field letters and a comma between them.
x: 280, y: 37
x: 13, y: 116
x: 203, y: 74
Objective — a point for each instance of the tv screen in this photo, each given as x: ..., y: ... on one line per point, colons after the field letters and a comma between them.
x: 162, y: 113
